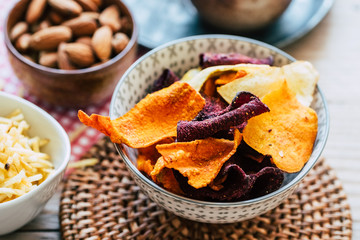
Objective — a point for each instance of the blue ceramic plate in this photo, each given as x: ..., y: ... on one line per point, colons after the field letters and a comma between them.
x: 162, y: 21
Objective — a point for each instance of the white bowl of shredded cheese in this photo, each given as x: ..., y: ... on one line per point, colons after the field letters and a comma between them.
x: 34, y: 153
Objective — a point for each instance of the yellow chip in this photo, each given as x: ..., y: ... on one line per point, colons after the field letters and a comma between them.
x: 190, y: 74
x: 200, y: 78
x: 287, y: 132
x: 259, y: 83
x: 301, y: 77
x: 88, y: 162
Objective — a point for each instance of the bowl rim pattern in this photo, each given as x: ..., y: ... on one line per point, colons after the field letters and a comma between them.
x: 301, y: 174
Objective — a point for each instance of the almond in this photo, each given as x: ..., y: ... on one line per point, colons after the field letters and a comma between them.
x: 80, y: 54
x: 18, y: 29
x: 55, y: 17
x: 97, y: 64
x: 81, y: 26
x: 29, y: 57
x: 44, y: 24
x: 84, y: 40
x: 91, y: 15
x: 39, y: 26
x: 66, y: 7
x: 126, y: 25
x: 48, y: 59
x: 101, y: 42
x: 63, y: 59
x: 97, y: 2
x: 92, y: 26
x: 23, y: 42
x: 50, y: 38
x: 111, y: 17
x: 88, y: 5
x: 35, y: 10
x: 119, y: 42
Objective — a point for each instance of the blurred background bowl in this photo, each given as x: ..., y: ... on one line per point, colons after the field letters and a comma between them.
x: 180, y: 56
x: 18, y: 212
x: 240, y: 15
x: 70, y: 88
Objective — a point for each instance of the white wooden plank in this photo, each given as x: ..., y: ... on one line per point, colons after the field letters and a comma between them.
x: 32, y: 236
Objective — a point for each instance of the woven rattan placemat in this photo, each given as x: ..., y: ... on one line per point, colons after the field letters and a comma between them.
x: 103, y: 202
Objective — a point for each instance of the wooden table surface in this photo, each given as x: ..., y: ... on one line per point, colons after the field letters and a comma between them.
x: 334, y: 48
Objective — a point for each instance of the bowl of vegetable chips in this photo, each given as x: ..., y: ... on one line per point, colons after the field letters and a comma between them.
x: 217, y: 128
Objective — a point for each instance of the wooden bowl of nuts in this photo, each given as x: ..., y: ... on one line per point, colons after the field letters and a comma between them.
x: 70, y: 53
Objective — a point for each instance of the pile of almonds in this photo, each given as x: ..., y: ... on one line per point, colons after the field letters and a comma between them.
x: 71, y: 34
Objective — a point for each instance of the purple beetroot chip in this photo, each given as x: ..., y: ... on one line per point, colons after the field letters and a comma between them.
x: 238, y: 184
x: 212, y: 107
x: 267, y: 180
x: 240, y: 99
x: 244, y: 106
x: 215, y: 59
x: 216, y: 107
x: 246, y: 157
x: 167, y: 78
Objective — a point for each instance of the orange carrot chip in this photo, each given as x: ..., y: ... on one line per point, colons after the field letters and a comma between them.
x: 153, y: 119
x: 209, y: 88
x: 167, y: 179
x: 200, y: 160
x: 151, y: 153
x: 144, y: 164
x: 148, y: 156
x: 229, y: 77
x: 287, y: 132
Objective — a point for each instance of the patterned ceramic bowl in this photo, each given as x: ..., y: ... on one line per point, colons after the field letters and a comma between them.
x: 180, y: 56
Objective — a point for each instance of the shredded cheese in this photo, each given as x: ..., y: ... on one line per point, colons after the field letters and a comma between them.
x: 22, y: 166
